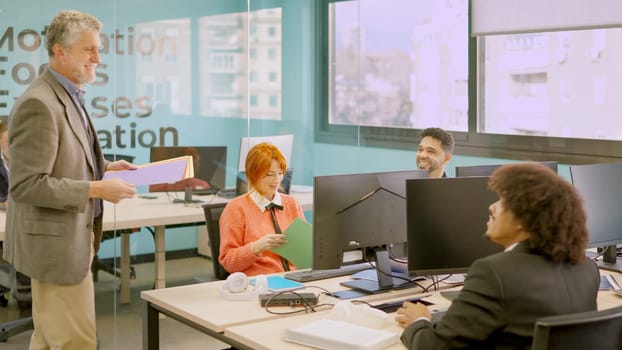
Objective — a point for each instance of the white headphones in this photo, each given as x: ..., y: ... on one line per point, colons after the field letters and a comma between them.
x: 236, y: 287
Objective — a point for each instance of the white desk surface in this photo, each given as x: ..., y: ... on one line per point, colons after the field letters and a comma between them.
x: 268, y: 334
x: 139, y: 212
x: 201, y: 306
x: 202, y: 303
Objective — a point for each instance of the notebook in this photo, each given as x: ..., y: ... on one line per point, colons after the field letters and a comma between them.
x: 340, y: 335
x: 280, y: 284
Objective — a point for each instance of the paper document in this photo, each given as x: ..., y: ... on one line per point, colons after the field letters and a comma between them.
x: 299, y: 244
x: 340, y: 335
x: 164, y: 171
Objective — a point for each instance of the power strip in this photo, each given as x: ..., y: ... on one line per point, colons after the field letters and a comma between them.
x: 288, y: 299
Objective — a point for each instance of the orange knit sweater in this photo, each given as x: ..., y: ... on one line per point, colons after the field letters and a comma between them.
x: 242, y: 223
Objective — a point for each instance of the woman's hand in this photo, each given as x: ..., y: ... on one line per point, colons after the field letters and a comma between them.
x: 268, y: 242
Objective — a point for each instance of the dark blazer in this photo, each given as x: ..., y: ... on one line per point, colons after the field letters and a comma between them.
x: 50, y: 227
x: 503, y: 295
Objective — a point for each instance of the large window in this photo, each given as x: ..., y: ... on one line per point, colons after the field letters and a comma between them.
x: 238, y: 49
x: 398, y: 63
x: 393, y: 67
x: 559, y: 84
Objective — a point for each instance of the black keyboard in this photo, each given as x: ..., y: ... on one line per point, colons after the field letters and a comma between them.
x: 314, y: 275
x: 392, y: 306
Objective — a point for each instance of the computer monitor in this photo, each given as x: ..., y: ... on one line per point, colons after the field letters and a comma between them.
x: 365, y: 212
x: 285, y: 144
x: 210, y: 164
x: 486, y: 170
x: 446, y: 224
x: 599, y: 185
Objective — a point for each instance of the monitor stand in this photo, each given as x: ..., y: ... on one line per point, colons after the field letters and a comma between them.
x: 384, y: 282
x: 610, y: 260
x: 187, y: 197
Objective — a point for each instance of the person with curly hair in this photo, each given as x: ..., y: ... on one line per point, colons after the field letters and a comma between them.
x: 540, y: 221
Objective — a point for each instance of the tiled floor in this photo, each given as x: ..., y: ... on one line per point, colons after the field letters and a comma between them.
x: 120, y: 326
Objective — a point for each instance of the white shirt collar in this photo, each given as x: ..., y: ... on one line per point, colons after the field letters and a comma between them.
x: 511, y: 246
x: 262, y: 201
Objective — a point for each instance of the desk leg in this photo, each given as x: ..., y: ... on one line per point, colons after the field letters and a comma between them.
x: 160, y: 257
x: 151, y: 328
x: 125, y: 268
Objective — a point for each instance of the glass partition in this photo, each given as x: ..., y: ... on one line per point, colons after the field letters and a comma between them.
x: 206, y: 74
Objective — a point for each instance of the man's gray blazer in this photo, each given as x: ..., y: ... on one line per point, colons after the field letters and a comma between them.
x: 50, y: 228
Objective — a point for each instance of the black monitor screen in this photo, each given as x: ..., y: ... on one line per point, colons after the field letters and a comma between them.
x: 357, y: 211
x: 599, y: 185
x: 486, y: 170
x: 446, y: 224
x: 210, y: 164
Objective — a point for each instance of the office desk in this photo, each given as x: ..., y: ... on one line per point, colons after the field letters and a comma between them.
x: 245, y: 325
x: 267, y: 335
x: 159, y: 213
x: 201, y: 306
x: 141, y: 212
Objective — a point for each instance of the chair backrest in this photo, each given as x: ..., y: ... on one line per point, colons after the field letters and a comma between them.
x: 212, y: 215
x: 600, y: 330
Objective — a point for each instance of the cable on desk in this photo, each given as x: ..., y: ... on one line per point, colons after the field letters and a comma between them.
x: 304, y: 303
x: 412, y: 280
x: 436, y: 282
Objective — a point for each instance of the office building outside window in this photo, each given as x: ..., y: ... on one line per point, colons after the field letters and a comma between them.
x: 399, y: 63
x: 557, y: 84
x: 242, y: 51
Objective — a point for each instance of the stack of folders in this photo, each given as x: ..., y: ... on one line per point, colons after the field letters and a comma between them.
x: 340, y: 335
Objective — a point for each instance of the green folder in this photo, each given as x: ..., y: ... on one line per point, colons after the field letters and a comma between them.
x: 299, y: 244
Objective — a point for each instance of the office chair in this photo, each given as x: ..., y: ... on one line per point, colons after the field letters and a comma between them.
x: 19, y: 287
x: 11, y: 328
x: 97, y: 264
x: 584, y: 330
x: 212, y: 215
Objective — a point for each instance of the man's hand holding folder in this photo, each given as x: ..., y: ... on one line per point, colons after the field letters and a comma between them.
x: 164, y: 171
